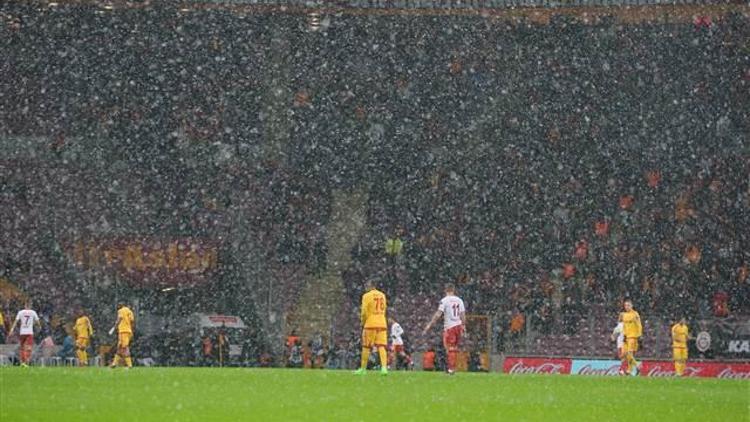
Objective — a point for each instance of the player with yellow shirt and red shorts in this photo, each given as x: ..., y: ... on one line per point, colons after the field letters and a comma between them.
x: 633, y: 330
x: 374, y: 328
x: 124, y: 325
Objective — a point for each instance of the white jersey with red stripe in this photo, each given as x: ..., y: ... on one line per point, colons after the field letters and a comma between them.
x: 26, y: 318
x: 619, y: 331
x: 396, y: 333
x: 452, y: 307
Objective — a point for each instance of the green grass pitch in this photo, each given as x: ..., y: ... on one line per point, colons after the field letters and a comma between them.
x: 201, y: 394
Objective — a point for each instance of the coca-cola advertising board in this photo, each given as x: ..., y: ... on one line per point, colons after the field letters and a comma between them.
x: 520, y: 365
x: 725, y: 370
x: 595, y: 367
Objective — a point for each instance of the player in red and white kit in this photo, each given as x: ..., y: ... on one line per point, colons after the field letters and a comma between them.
x: 618, y: 335
x: 453, y: 311
x: 27, y: 318
x: 399, y: 357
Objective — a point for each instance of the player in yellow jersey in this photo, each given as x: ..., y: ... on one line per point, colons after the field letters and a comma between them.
x: 680, y: 337
x: 125, y: 324
x: 83, y: 332
x: 374, y: 328
x: 633, y: 330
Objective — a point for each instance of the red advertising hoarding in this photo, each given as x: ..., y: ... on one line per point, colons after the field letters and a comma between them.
x: 520, y: 365
x: 652, y: 368
x: 649, y: 368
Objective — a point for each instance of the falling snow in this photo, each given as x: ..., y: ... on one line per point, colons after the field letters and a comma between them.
x: 225, y: 161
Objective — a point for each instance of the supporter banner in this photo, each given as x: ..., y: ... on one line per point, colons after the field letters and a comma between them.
x: 519, y: 365
x: 595, y: 367
x: 697, y: 369
x: 148, y: 261
x: 730, y: 337
x: 727, y: 337
x: 738, y: 346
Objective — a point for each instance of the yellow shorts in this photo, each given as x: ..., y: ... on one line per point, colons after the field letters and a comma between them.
x: 82, y: 342
x: 631, y: 345
x: 123, y: 339
x: 374, y: 337
x: 680, y: 353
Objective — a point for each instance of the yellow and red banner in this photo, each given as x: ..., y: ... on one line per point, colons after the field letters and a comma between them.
x: 148, y: 261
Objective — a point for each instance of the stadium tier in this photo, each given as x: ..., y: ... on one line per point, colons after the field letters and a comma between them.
x: 202, y: 163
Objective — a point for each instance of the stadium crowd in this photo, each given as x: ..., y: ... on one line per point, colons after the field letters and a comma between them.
x: 550, y: 171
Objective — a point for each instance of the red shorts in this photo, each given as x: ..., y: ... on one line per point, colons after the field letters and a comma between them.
x: 452, y: 336
x: 398, y: 348
x: 27, y: 340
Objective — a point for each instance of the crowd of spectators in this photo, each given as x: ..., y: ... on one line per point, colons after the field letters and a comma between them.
x: 549, y: 170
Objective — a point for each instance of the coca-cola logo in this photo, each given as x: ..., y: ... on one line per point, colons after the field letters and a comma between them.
x: 590, y: 370
x: 729, y: 373
x: 700, y: 369
x: 658, y: 371
x: 544, y: 368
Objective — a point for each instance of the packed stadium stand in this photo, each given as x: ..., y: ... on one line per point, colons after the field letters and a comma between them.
x: 549, y: 161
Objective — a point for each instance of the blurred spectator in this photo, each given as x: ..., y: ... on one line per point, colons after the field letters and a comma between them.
x: 394, y: 245
x: 475, y: 362
x: 517, y: 323
x: 222, y: 347
x: 428, y: 360
x: 265, y: 360
x: 3, y: 329
x: 721, y: 304
x: 295, y: 355
x: 292, y: 339
x: 47, y: 347
x: 318, y: 352
x: 207, y: 351
x: 601, y: 228
x: 569, y: 270
x: 581, y: 250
